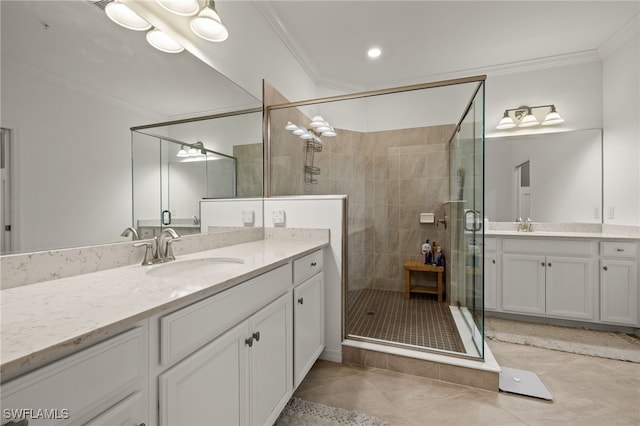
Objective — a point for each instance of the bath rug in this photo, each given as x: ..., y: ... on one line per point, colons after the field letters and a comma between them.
x: 299, y: 412
x: 603, y: 344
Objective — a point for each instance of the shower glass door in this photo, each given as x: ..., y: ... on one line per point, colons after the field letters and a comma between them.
x: 467, y: 211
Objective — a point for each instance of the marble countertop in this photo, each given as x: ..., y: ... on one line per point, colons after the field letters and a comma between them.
x: 47, y: 320
x: 559, y: 234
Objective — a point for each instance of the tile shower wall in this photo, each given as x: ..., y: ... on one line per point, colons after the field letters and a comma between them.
x: 406, y: 173
x: 390, y: 177
x: 249, y: 170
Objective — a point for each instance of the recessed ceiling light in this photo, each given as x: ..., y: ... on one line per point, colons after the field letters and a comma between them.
x: 374, y: 52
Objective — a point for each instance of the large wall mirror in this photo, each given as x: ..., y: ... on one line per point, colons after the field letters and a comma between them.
x: 73, y: 85
x: 551, y: 177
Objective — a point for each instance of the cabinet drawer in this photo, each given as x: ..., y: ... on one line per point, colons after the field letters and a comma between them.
x: 307, y: 266
x: 79, y: 384
x: 187, y: 329
x: 618, y: 249
x: 547, y: 246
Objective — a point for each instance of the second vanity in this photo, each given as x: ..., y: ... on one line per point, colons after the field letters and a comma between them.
x: 586, y: 277
x: 137, y: 345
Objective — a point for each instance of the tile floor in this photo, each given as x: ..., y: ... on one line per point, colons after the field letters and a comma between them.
x: 586, y: 390
x: 419, y: 321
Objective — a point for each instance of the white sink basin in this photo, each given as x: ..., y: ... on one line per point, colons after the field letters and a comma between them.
x: 190, y: 267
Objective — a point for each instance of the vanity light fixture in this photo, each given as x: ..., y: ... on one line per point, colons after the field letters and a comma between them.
x: 524, y: 116
x: 318, y: 127
x: 206, y: 22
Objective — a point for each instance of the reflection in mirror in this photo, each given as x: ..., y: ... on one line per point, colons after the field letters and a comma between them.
x: 551, y: 177
x: 175, y: 165
x: 73, y: 85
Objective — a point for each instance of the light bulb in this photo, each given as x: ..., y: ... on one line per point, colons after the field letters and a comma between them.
x: 182, y: 152
x: 180, y: 7
x: 290, y: 126
x: 553, y: 117
x: 529, y: 120
x: 208, y: 26
x: 163, y: 42
x: 125, y: 17
x: 506, y: 122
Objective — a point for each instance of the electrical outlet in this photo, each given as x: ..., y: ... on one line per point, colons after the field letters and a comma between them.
x: 611, y: 213
x: 596, y: 212
x: 279, y: 218
x: 248, y: 217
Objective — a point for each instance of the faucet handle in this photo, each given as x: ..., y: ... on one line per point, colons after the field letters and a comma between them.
x: 168, y: 253
x: 148, y: 254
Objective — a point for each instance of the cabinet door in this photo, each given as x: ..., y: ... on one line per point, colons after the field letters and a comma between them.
x: 271, y: 361
x: 308, y: 326
x: 209, y: 387
x: 125, y: 413
x: 619, y: 291
x: 569, y: 291
x: 523, y: 282
x: 490, y: 281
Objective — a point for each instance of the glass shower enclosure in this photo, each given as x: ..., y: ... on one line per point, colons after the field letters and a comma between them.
x: 410, y: 160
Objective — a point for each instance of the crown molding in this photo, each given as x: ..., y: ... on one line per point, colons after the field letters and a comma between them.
x: 308, y: 64
x: 630, y: 29
x: 299, y: 53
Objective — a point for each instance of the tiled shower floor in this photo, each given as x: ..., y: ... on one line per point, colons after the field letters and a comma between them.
x: 386, y: 315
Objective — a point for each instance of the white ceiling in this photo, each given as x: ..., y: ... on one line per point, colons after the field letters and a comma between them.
x: 438, y: 38
x: 421, y: 40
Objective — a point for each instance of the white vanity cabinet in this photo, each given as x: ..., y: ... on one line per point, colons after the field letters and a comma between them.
x: 308, y: 297
x: 548, y: 277
x: 102, y: 384
x: 490, y: 274
x: 241, y: 375
x: 619, y: 283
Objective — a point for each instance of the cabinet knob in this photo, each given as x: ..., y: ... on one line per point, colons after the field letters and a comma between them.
x: 620, y: 250
x: 493, y: 261
x: 542, y: 263
x: 314, y: 264
x: 549, y: 264
x: 606, y: 268
x: 256, y: 336
x: 301, y: 301
x: 141, y: 424
x: 249, y: 341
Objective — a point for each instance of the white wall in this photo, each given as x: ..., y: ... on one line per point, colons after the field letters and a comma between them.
x: 72, y: 161
x: 324, y: 212
x: 621, y: 116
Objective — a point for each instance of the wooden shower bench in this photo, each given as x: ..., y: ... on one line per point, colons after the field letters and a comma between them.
x: 416, y: 266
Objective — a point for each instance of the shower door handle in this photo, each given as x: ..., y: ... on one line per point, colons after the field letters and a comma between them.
x: 166, y: 217
x: 474, y: 225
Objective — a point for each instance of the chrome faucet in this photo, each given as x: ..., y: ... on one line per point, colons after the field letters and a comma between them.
x: 164, y: 251
x: 520, y: 224
x: 528, y: 226
x: 130, y: 231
